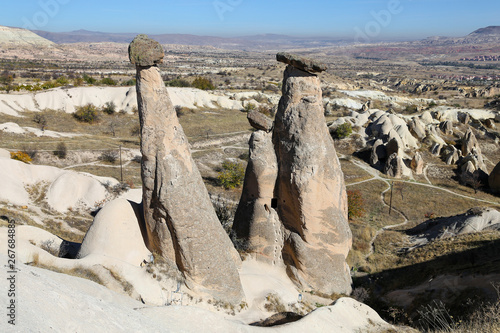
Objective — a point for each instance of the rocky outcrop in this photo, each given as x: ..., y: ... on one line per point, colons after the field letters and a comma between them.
x: 417, y: 164
x: 310, y: 191
x: 446, y: 127
x: 450, y: 155
x: 394, y: 166
x: 181, y: 223
x: 378, y: 153
x: 426, y: 118
x: 417, y: 128
x: 117, y: 232
x: 464, y: 117
x: 366, y: 106
x: 469, y: 142
x: 494, y: 179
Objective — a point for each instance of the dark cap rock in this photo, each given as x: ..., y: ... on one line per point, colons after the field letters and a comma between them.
x: 260, y: 121
x: 144, y: 51
x: 302, y: 63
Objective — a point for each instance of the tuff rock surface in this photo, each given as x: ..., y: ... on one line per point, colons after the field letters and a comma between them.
x: 255, y: 219
x: 494, y: 179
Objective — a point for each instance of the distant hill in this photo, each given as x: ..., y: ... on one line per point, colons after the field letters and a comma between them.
x: 21, y: 37
x: 265, y: 41
x: 488, y: 31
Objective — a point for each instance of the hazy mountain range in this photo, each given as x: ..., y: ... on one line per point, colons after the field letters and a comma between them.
x: 256, y: 42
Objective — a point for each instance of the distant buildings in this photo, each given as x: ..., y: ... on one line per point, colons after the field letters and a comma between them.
x: 483, y: 58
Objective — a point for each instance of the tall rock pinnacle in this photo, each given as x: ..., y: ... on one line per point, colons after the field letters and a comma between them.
x: 310, y: 190
x: 180, y: 220
x: 306, y: 217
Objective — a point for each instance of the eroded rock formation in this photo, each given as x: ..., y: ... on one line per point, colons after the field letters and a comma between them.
x: 309, y: 196
x: 180, y: 220
x: 310, y: 191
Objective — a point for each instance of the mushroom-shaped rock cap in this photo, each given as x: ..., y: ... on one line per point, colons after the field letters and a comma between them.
x: 302, y: 63
x: 260, y: 121
x: 144, y: 51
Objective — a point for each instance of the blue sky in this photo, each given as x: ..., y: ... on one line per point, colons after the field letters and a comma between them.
x: 381, y: 19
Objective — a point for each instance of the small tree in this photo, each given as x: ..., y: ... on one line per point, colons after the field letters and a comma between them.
x: 203, y: 83
x: 342, y: 131
x: 113, y: 125
x: 109, y: 108
x: 87, y: 113
x: 61, y: 150
x: 41, y: 120
x: 231, y: 175
x: 110, y: 156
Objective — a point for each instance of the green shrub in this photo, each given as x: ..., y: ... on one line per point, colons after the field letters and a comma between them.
x: 62, y: 81
x: 232, y: 175
x: 203, y: 83
x: 130, y: 82
x: 109, y: 108
x: 178, y: 83
x: 89, y: 79
x: 107, y: 81
x: 342, y: 131
x: 355, y: 204
x: 20, y: 156
x: 87, y: 113
x: 410, y: 109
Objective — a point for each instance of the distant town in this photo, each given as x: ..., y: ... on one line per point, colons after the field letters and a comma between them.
x: 483, y: 58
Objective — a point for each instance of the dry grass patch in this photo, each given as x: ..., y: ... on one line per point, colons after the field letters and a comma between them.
x: 418, y: 201
x: 377, y: 213
x: 131, y: 173
x: 353, y: 173
x: 202, y: 124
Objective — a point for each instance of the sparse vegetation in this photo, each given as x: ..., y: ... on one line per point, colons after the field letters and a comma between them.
x: 203, y: 83
x: 274, y: 304
x: 355, y: 204
x: 41, y: 120
x: 342, y: 131
x: 61, y: 150
x: 20, y: 156
x: 110, y: 156
x: 109, y: 108
x: 232, y: 175
x: 87, y: 113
